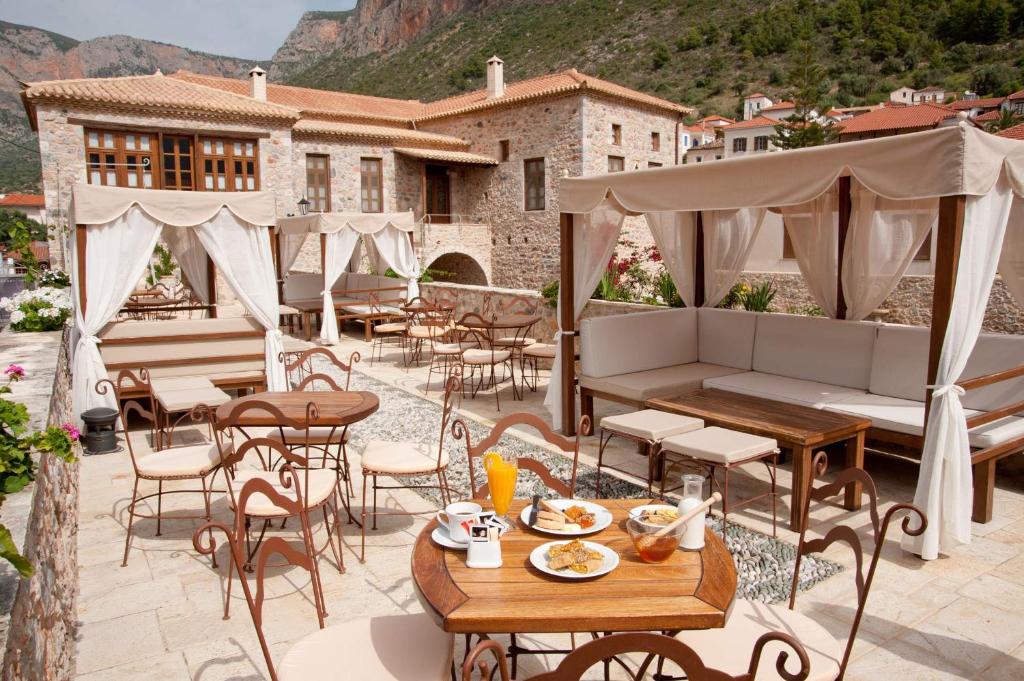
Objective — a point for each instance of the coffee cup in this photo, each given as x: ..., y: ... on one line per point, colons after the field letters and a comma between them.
x: 455, y: 516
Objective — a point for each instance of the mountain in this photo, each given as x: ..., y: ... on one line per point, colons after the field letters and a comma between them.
x: 30, y: 54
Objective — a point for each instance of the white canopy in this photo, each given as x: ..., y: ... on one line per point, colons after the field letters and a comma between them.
x: 97, y: 205
x: 889, y: 200
x: 329, y: 223
x: 122, y: 226
x: 390, y: 245
x: 959, y: 159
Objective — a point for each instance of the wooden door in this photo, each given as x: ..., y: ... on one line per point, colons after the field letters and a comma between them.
x: 438, y: 193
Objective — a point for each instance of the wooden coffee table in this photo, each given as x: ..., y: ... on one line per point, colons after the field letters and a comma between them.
x: 691, y: 590
x: 795, y: 427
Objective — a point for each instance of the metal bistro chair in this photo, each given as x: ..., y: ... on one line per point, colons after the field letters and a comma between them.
x: 319, y: 485
x: 182, y: 462
x: 607, y: 649
x: 404, y: 459
x: 385, y: 330
x: 749, y: 621
x: 425, y: 323
x: 390, y: 648
x: 486, y: 357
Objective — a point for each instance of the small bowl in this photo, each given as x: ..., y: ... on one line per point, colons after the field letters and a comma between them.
x: 650, y: 548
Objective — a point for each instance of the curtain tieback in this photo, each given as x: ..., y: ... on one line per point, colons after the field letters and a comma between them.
x: 939, y: 389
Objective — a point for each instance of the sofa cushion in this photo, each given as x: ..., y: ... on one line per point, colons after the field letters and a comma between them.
x: 907, y: 416
x: 303, y: 286
x: 651, y: 424
x: 663, y: 382
x: 815, y: 349
x: 726, y: 337
x: 781, y: 388
x: 628, y: 343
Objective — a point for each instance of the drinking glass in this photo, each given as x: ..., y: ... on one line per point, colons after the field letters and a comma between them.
x: 502, y: 474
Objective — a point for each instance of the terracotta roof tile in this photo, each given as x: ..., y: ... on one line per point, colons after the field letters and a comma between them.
x: 988, y: 116
x: 447, y: 156
x: 1014, y: 133
x: 35, y: 200
x: 715, y: 117
x: 898, y: 118
x: 982, y: 103
x: 758, y: 122
x: 716, y: 144
x: 158, y: 92
x: 380, y: 133
x: 780, y: 105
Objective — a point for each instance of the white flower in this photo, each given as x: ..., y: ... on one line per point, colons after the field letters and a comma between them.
x: 17, y: 317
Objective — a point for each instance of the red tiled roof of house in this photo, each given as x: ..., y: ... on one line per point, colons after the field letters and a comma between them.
x: 981, y: 103
x: 756, y: 94
x: 988, y: 116
x: 780, y: 105
x: 924, y: 115
x: 758, y: 122
x: 1014, y: 133
x: 716, y: 117
x: 1019, y: 94
x: 16, y: 200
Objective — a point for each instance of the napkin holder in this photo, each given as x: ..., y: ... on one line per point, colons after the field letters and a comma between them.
x: 484, y: 549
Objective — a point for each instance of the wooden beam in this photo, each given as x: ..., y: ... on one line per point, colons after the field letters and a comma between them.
x: 81, y: 238
x: 275, y: 250
x: 698, y: 262
x: 211, y: 278
x: 949, y: 232
x: 567, y: 322
x: 845, y: 209
x: 323, y: 261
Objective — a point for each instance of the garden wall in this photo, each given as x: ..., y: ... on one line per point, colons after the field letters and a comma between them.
x: 41, y: 638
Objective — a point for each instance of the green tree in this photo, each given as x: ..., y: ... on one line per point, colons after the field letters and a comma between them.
x: 17, y: 232
x: 810, y: 85
x: 1007, y: 119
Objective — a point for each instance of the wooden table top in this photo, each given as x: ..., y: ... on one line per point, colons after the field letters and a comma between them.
x: 502, y: 321
x: 691, y: 590
x: 336, y: 408
x: 789, y: 423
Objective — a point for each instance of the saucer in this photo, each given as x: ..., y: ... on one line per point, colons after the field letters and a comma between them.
x: 441, y: 537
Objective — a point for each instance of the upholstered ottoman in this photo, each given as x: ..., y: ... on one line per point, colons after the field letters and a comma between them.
x: 715, y: 448
x: 647, y: 428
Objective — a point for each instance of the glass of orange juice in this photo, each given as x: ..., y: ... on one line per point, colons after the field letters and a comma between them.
x: 502, y: 473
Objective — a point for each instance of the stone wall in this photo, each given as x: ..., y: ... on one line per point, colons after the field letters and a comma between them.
x: 41, y: 638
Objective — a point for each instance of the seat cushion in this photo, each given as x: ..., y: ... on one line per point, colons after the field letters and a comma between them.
x: 318, y: 435
x: 477, y: 356
x: 390, y: 327
x: 630, y: 343
x: 366, y: 309
x: 165, y: 383
x: 395, y: 648
x: 730, y: 648
x: 427, y: 331
x: 781, y: 388
x: 664, y: 382
x: 651, y: 424
x: 815, y: 349
x: 183, y: 400
x: 452, y: 348
x: 718, y: 445
x: 727, y: 337
x: 540, y: 350
x: 401, y: 458
x: 176, y: 462
x: 512, y: 341
x: 317, y: 489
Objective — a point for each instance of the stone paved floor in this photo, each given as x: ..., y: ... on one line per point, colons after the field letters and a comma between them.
x: 960, y: 617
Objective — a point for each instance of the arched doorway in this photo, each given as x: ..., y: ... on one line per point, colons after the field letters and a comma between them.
x: 458, y: 268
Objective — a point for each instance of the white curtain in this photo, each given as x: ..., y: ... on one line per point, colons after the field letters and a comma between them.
x: 242, y: 254
x: 944, y: 490
x: 728, y: 237
x: 883, y: 238
x: 116, y: 257
x: 373, y: 257
x: 674, y: 236
x: 186, y: 249
x: 813, y: 229
x: 594, y: 238
x: 338, y: 247
x: 291, y: 246
x: 1011, y: 260
x: 395, y: 248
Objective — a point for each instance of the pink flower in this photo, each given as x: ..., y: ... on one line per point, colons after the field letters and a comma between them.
x: 14, y: 372
x: 71, y: 431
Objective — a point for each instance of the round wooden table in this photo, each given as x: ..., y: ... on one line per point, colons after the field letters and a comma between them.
x: 691, y: 590
x: 336, y: 408
x: 502, y: 321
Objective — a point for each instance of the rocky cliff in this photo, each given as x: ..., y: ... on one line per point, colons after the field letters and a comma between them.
x: 373, y: 26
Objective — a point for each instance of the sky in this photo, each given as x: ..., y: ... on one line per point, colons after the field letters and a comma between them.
x: 253, y: 29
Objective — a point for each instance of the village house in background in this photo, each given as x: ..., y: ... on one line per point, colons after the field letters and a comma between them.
x: 479, y: 170
x: 32, y: 205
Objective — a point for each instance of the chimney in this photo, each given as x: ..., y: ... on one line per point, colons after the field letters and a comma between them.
x: 258, y: 84
x: 495, y: 78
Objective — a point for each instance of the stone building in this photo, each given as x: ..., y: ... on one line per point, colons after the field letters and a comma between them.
x: 479, y: 170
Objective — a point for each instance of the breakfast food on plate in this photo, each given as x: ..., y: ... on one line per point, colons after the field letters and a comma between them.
x: 551, y: 518
x: 660, y: 515
x: 574, y: 556
x: 580, y: 516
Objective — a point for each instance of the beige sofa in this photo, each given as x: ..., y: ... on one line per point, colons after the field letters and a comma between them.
x: 366, y: 298
x: 869, y: 369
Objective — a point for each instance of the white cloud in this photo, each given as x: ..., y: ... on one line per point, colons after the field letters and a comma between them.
x: 252, y: 29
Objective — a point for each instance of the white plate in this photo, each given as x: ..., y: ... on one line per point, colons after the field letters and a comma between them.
x: 602, y: 517
x: 539, y: 559
x: 441, y: 536
x: 640, y: 510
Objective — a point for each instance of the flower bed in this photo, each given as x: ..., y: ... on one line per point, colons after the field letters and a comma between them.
x: 41, y: 309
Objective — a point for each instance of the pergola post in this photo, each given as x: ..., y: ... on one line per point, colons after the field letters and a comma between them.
x: 275, y: 250
x: 698, y: 261
x: 211, y: 279
x: 80, y: 245
x: 845, y: 209
x: 567, y: 322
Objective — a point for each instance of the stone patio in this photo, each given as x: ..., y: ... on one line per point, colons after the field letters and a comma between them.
x: 960, y: 617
